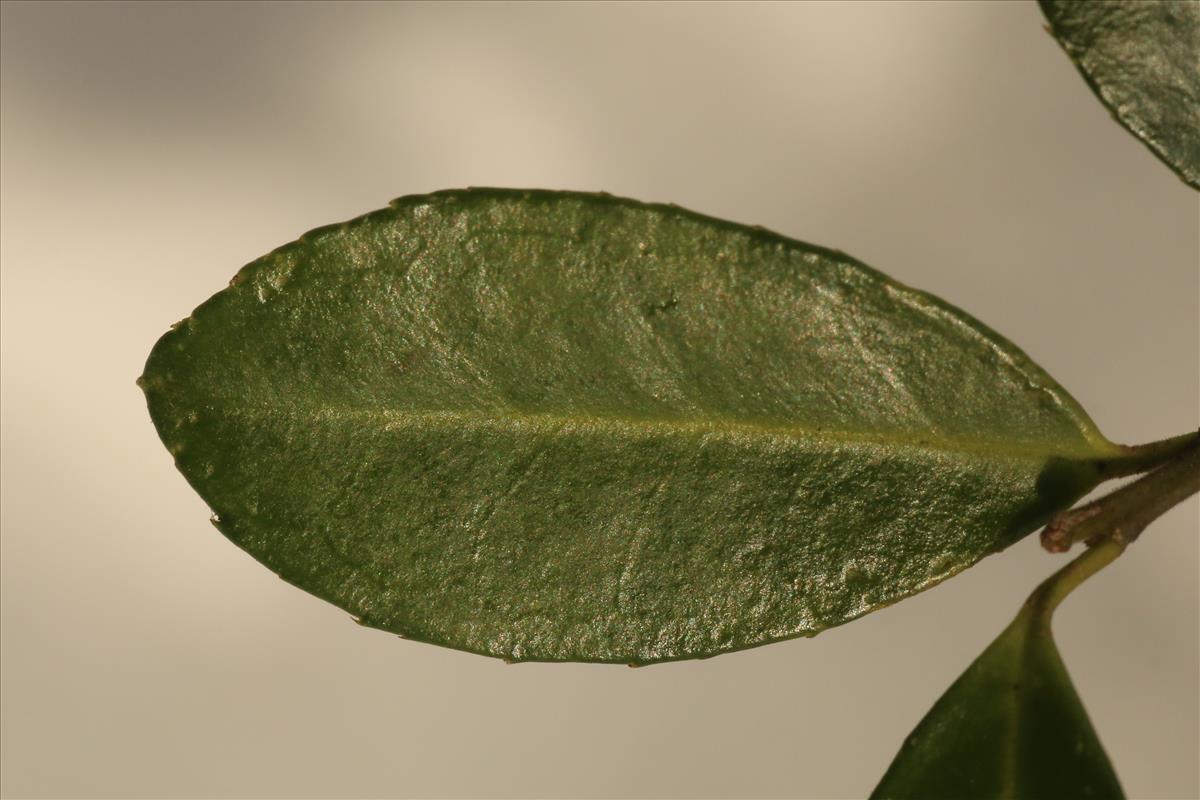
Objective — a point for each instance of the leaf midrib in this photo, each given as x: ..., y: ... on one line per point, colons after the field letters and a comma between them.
x: 551, y: 422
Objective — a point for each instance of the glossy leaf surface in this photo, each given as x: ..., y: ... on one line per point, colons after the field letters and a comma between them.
x: 1142, y: 59
x: 555, y: 426
x: 1011, y: 727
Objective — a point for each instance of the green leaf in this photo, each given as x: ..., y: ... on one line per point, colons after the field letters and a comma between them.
x: 1142, y: 59
x: 556, y: 426
x: 1012, y: 725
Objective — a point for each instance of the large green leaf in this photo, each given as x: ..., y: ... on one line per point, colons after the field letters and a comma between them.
x: 555, y: 426
x: 1142, y: 59
x: 1011, y: 727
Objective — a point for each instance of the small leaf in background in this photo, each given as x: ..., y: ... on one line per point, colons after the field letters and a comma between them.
x: 1142, y: 59
x: 1011, y: 727
x: 557, y: 426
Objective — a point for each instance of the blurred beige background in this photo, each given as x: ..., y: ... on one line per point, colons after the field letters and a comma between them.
x: 148, y: 151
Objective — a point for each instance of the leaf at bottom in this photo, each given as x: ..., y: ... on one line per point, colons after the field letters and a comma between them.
x: 1011, y: 726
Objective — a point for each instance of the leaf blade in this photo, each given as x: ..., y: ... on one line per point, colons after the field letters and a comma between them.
x: 1142, y: 61
x: 1011, y: 726
x: 550, y: 426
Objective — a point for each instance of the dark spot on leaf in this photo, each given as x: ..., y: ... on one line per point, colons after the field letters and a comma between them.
x: 662, y: 306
